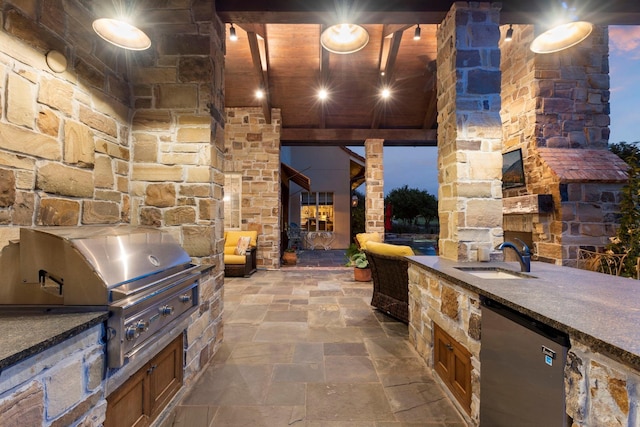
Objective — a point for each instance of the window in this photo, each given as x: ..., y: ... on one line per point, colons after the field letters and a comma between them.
x: 316, y: 211
x: 232, y: 201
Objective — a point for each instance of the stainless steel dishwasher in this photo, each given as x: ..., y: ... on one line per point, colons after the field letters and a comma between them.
x: 521, y: 370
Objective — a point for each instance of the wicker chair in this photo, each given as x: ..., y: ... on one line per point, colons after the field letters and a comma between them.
x: 390, y: 280
x: 239, y: 265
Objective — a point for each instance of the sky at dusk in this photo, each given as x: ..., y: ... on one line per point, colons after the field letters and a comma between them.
x: 417, y: 167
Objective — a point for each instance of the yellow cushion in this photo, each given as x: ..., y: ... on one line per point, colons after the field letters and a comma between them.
x: 229, y: 250
x: 390, y: 250
x: 232, y: 237
x: 365, y: 238
x: 235, y: 259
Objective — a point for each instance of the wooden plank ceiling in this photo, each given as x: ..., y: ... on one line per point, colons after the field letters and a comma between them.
x: 278, y: 50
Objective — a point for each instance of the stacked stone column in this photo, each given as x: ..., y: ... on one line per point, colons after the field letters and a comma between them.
x: 253, y: 149
x: 374, y: 175
x: 469, y: 131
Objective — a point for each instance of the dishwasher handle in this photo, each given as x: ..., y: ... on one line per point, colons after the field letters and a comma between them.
x: 537, y: 326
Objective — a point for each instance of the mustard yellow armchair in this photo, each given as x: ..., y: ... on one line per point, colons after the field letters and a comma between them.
x: 240, y: 253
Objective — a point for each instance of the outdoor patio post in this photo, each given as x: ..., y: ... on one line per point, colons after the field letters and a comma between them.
x: 374, y: 198
x: 469, y: 130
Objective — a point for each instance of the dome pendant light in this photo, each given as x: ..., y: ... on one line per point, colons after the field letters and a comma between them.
x: 121, y: 34
x: 567, y: 33
x: 344, y: 38
x: 561, y: 37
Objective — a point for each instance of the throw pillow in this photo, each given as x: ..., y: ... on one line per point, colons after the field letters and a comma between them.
x: 243, y: 245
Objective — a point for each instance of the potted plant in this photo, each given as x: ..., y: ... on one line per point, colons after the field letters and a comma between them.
x: 290, y: 256
x: 361, y: 269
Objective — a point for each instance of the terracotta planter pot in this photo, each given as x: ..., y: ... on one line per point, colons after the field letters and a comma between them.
x: 362, y: 274
x: 290, y: 258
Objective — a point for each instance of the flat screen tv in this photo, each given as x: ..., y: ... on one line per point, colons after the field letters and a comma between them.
x: 512, y: 169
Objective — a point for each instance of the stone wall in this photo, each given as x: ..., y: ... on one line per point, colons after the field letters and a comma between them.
x: 252, y: 148
x: 555, y: 106
x: 456, y: 310
x: 64, y: 137
x: 177, y: 130
x: 59, y: 387
x: 120, y: 136
x: 469, y: 131
x: 600, y: 391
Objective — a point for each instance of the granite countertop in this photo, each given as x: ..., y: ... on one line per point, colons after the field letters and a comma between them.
x: 24, y: 333
x: 600, y: 310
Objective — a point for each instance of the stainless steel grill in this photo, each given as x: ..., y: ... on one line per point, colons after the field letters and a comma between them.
x: 141, y: 275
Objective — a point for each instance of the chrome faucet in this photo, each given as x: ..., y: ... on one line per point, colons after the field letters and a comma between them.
x: 524, y: 257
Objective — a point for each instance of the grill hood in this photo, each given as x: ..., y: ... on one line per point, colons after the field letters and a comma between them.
x: 91, y: 265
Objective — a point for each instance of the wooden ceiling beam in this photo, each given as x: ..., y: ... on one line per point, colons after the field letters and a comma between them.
x: 389, y: 29
x: 324, y: 80
x: 346, y: 137
x: 259, y: 29
x: 259, y: 59
x: 611, y: 12
x: 389, y: 57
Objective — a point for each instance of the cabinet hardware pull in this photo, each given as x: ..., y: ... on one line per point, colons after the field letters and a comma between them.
x: 151, y: 369
x: 449, y: 347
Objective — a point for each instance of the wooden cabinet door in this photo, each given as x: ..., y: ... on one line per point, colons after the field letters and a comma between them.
x: 128, y: 405
x: 142, y: 397
x: 452, y: 363
x: 165, y: 378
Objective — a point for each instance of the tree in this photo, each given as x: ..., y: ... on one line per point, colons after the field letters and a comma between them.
x: 410, y: 203
x: 628, y: 240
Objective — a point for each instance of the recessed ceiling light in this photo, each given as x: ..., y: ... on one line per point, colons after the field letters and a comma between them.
x: 385, y: 93
x: 259, y: 94
x: 323, y: 94
x: 121, y: 34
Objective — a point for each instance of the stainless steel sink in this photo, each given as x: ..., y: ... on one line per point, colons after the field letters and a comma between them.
x: 495, y: 273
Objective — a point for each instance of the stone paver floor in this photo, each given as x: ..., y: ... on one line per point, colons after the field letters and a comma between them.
x: 303, y: 347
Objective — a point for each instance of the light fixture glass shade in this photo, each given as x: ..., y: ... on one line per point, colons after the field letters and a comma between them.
x: 509, y: 36
x: 344, y: 38
x: 232, y: 34
x: 416, y: 33
x: 561, y: 37
x: 121, y: 34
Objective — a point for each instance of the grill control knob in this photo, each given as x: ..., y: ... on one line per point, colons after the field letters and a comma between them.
x: 131, y: 333
x: 185, y: 298
x: 142, y: 326
x: 166, y: 310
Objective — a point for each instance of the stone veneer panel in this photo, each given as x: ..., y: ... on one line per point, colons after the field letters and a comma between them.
x: 53, y: 124
x: 558, y: 101
x: 53, y: 120
x: 456, y: 310
x: 54, y: 387
x: 469, y: 131
x: 374, y: 175
x: 252, y: 148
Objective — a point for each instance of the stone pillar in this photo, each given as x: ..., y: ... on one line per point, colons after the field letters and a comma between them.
x: 469, y: 131
x: 374, y: 198
x: 252, y: 147
x: 177, y: 121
